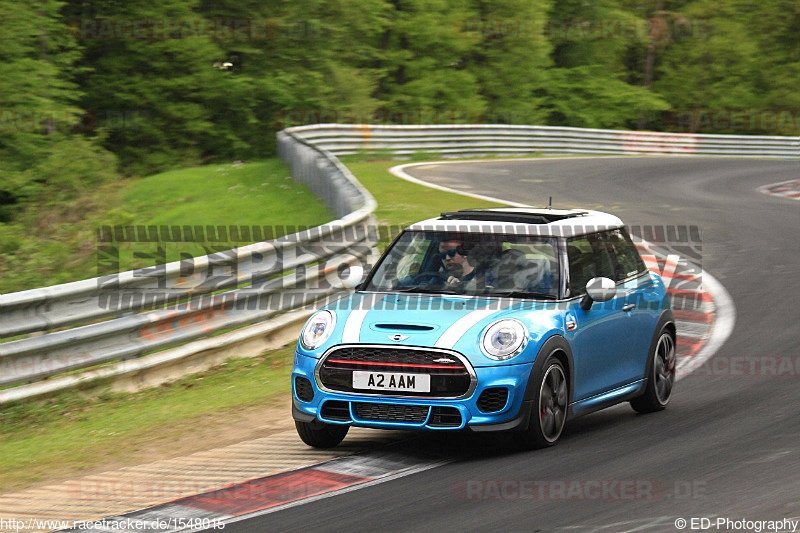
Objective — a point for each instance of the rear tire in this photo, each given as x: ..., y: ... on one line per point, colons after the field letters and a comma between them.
x: 660, y: 378
x: 319, y: 434
x: 550, y: 408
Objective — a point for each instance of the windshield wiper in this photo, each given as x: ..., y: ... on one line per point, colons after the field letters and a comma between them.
x: 521, y: 294
x: 426, y: 290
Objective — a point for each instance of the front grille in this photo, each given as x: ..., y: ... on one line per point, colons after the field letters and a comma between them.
x: 303, y: 389
x: 445, y: 417
x: 384, y: 412
x: 336, y: 410
x: 410, y: 327
x: 493, y: 399
x: 450, y: 378
x: 395, y: 358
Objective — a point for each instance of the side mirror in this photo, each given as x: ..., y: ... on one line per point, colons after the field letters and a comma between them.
x: 354, y: 278
x: 600, y: 290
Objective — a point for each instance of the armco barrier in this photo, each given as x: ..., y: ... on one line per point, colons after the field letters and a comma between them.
x: 108, y: 321
x: 83, y: 301
x: 476, y: 140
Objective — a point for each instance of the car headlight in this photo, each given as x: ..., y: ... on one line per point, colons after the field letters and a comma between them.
x: 504, y: 339
x: 317, y: 330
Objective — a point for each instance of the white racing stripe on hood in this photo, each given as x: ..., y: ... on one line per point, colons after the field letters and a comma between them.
x: 452, y: 335
x: 352, y: 328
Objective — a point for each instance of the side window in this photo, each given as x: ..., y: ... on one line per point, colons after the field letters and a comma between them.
x: 589, y: 256
x: 604, y: 255
x: 406, y: 258
x: 627, y: 261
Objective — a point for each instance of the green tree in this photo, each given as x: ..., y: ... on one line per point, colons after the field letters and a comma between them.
x: 320, y: 66
x: 40, y: 120
x: 775, y: 26
x: 149, y: 79
x: 425, y: 63
x: 713, y: 70
x: 591, y: 83
x: 510, y: 58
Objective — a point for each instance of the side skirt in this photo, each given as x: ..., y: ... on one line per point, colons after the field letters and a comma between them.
x: 607, y: 399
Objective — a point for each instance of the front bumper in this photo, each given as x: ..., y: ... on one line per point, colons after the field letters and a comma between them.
x: 350, y: 408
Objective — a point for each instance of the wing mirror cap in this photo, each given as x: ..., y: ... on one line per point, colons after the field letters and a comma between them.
x: 598, y: 290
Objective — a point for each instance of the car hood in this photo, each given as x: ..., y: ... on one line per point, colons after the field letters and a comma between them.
x: 441, y: 321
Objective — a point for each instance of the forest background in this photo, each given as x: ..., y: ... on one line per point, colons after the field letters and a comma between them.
x: 93, y: 93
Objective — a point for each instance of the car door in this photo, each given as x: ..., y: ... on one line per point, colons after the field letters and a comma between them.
x: 599, y: 337
x: 640, y: 306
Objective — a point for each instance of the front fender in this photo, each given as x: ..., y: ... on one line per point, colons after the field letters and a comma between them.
x: 554, y: 344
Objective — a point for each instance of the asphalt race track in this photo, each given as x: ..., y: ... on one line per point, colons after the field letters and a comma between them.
x: 728, y: 446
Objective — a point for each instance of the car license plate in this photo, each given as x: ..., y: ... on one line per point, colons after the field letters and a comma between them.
x: 392, y: 381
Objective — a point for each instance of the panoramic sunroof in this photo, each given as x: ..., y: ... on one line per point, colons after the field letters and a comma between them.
x: 509, y: 216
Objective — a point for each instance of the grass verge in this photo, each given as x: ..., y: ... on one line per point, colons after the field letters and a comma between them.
x: 67, y: 435
x: 400, y: 202
x: 58, y: 243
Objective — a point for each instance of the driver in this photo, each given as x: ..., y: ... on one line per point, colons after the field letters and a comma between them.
x: 454, y: 257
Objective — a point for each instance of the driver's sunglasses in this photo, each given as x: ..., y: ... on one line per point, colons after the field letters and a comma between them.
x: 449, y: 253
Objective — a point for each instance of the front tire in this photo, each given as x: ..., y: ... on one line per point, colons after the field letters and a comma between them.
x: 547, y: 421
x: 319, y: 434
x: 661, y: 376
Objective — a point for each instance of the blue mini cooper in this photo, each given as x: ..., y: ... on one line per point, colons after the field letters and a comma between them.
x: 489, y: 320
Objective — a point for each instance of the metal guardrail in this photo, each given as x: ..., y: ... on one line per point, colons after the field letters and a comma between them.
x: 134, y: 313
x: 476, y: 140
x: 84, y: 324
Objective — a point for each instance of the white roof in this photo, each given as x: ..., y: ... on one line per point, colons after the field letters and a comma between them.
x: 580, y: 222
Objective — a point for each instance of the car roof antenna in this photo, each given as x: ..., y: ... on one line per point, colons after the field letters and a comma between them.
x: 550, y: 205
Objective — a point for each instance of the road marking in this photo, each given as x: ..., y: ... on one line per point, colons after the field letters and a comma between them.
x: 273, y: 493
x: 784, y: 189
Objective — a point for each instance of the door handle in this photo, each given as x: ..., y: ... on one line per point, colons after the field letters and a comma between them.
x: 629, y: 307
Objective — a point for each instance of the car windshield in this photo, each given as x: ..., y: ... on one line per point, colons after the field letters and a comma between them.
x: 483, y: 264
